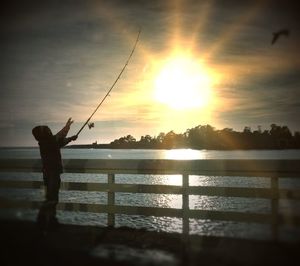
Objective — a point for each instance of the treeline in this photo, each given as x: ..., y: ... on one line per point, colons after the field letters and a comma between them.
x: 207, y: 137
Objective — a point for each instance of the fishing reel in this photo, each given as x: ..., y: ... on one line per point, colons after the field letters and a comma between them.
x: 91, y: 125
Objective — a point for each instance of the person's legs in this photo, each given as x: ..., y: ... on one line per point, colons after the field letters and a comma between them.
x: 47, y: 213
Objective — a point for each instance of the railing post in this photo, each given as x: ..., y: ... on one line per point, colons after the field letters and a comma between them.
x: 274, y: 206
x: 185, y: 206
x: 111, y: 200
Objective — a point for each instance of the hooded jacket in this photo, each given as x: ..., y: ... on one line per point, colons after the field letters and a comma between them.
x: 50, y: 146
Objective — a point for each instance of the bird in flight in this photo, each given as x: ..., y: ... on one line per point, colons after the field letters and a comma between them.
x: 277, y: 34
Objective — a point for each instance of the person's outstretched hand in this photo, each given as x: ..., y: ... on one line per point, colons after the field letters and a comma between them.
x: 73, y: 137
x: 69, y: 122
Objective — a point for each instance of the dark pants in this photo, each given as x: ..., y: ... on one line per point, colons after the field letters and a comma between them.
x: 47, y: 213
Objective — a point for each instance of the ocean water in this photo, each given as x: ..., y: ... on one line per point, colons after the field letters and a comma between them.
x: 197, y: 226
x: 184, y: 154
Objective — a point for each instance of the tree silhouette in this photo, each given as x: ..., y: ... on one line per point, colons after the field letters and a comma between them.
x: 207, y: 137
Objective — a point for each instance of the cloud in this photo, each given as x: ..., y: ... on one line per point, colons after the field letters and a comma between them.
x: 262, y: 101
x: 59, y: 58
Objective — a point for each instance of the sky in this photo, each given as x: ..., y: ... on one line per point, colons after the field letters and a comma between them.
x: 196, y: 63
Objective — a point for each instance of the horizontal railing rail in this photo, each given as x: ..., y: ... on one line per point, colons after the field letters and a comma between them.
x: 266, y: 193
x: 266, y: 168
x: 272, y: 169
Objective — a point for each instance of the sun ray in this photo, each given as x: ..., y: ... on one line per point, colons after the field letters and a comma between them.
x: 179, y: 43
x: 111, y: 15
x: 175, y: 42
x: 234, y: 29
x: 202, y: 21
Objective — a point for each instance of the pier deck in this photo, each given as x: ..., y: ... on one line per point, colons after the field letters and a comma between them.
x: 23, y: 244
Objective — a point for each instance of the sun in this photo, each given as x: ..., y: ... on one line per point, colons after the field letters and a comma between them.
x: 183, y: 83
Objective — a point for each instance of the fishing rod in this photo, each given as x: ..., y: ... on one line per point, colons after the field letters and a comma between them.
x: 118, y: 77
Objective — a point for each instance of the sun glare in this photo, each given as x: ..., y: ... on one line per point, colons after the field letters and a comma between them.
x: 183, y: 83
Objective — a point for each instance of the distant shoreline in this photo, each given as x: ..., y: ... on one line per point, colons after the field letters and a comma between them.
x: 19, y: 147
x: 109, y: 146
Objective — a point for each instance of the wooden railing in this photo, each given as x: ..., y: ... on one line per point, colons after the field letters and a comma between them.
x: 273, y: 169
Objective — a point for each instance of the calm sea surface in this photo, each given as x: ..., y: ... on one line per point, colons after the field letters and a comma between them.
x: 197, y: 226
x: 184, y: 154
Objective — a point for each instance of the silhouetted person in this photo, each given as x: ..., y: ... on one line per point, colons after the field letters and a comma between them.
x: 277, y: 34
x: 52, y: 168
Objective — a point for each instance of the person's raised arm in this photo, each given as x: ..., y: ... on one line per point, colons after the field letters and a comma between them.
x: 61, y: 135
x: 64, y: 131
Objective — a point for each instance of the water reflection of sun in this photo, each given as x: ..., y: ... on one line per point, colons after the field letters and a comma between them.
x: 172, y: 180
x: 184, y: 154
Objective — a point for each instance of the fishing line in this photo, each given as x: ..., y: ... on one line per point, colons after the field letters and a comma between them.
x: 118, y: 77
